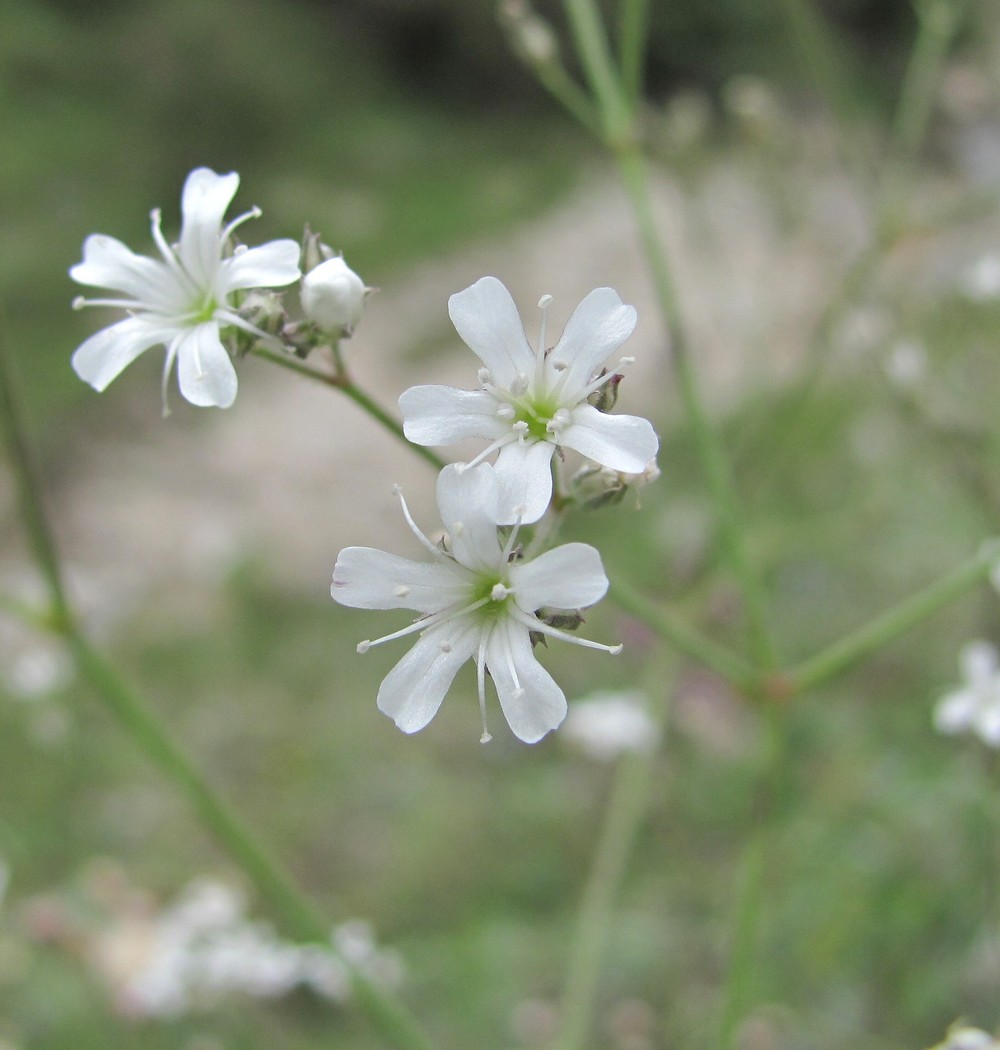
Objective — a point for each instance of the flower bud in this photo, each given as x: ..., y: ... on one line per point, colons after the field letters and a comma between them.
x: 333, y: 296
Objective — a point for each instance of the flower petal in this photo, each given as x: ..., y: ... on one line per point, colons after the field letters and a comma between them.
x: 366, y: 578
x: 567, y: 577
x: 533, y: 703
x: 105, y: 354
x: 487, y: 320
x: 597, y: 327
x: 107, y: 263
x: 412, y: 691
x: 204, y: 368
x: 469, y: 499
x: 204, y: 201
x: 270, y: 265
x: 525, y: 479
x: 620, y: 442
x: 440, y: 415
x: 956, y: 712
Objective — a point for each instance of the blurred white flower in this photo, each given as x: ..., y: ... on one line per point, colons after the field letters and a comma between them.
x: 333, y: 296
x: 203, y: 948
x: 531, y: 402
x: 981, y: 281
x: 975, y: 706
x: 477, y: 601
x: 606, y: 724
x: 961, y: 1037
x: 906, y: 364
x: 182, y: 300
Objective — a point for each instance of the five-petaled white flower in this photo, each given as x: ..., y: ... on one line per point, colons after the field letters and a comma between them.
x: 182, y: 300
x: 531, y: 402
x: 478, y: 600
x: 975, y: 706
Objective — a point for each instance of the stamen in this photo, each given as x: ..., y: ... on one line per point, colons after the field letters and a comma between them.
x: 534, y: 624
x: 543, y: 305
x: 425, y: 623
x: 499, y: 592
x: 508, y: 547
x: 363, y: 647
x: 559, y: 421
x: 490, y: 449
x: 402, y: 591
x: 253, y: 213
x: 520, y: 428
x: 484, y: 377
x: 506, y: 412
x: 408, y: 518
x: 124, y: 304
x: 606, y: 376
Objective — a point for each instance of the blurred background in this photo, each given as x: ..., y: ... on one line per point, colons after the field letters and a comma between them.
x: 858, y: 401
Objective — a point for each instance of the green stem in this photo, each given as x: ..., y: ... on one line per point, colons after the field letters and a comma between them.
x: 677, y: 632
x: 26, y: 475
x: 599, y: 68
x: 859, y: 644
x: 937, y: 23
x: 346, y: 386
x: 272, y: 881
x: 625, y: 812
x: 713, y: 460
x: 634, y: 26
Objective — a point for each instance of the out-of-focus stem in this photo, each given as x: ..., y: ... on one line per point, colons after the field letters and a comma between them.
x: 861, y: 643
x: 632, y: 167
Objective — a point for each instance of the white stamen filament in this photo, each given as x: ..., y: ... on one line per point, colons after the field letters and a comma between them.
x: 414, y: 528
x: 425, y: 623
x: 534, y: 624
x: 189, y: 285
x: 253, y: 213
x: 508, y: 547
x: 543, y: 305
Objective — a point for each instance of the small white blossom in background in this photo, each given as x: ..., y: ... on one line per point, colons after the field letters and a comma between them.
x: 203, y: 948
x: 333, y: 296
x: 183, y: 300
x: 981, y: 281
x: 532, y: 402
x: 975, y: 706
x: 906, y: 364
x: 478, y: 601
x: 607, y: 724
x: 961, y: 1037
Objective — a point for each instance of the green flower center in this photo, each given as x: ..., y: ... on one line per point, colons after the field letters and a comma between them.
x: 536, y: 415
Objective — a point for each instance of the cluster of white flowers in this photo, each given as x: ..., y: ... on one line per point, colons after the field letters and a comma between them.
x: 481, y: 597
x: 608, y: 724
x: 975, y: 706
x: 203, y: 948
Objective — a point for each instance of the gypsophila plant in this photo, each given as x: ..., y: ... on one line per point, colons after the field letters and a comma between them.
x: 550, y: 451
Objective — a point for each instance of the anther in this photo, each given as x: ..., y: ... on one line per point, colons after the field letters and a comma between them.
x: 364, y: 646
x: 504, y: 411
x: 484, y: 377
x: 499, y: 592
x: 521, y: 429
x: 520, y: 385
x: 616, y: 649
x: 445, y: 647
x: 402, y: 591
x: 80, y: 302
x: 485, y: 738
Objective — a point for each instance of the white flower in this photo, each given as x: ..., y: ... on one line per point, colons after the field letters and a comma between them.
x: 333, y: 296
x: 607, y: 724
x: 961, y: 1037
x: 478, y: 600
x: 530, y: 402
x: 182, y: 300
x: 976, y: 705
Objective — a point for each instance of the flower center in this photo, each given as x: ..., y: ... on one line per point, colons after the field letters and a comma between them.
x: 493, y: 593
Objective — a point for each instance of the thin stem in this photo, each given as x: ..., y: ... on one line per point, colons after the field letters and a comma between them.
x: 633, y: 29
x: 272, y: 881
x: 345, y: 385
x: 673, y: 629
x: 599, y: 69
x: 713, y: 460
x: 861, y: 643
x: 26, y: 476
x: 937, y: 23
x: 625, y: 812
